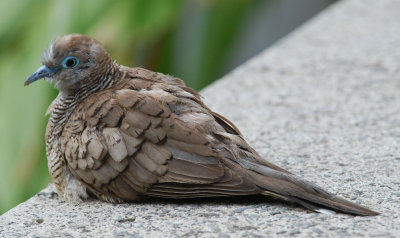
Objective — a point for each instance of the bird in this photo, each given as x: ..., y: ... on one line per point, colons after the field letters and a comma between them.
x: 118, y: 134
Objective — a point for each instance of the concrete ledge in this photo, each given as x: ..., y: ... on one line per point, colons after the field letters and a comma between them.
x: 323, y: 103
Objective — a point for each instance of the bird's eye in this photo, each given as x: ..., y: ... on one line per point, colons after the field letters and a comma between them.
x: 70, y: 62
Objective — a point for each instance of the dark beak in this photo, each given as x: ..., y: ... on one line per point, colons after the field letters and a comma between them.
x: 42, y: 72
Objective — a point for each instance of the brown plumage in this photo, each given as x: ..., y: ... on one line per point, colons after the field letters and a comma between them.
x: 119, y: 133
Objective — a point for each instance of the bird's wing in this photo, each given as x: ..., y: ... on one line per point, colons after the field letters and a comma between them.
x: 127, y: 142
x: 159, y: 139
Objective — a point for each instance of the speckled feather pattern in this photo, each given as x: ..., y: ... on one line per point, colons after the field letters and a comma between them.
x: 118, y: 133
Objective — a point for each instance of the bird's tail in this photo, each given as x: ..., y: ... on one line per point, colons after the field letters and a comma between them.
x: 293, y: 188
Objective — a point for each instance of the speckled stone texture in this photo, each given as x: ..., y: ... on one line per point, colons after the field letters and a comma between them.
x: 323, y: 103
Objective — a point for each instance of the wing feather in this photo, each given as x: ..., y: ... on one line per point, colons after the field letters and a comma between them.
x: 138, y: 144
x: 151, y: 135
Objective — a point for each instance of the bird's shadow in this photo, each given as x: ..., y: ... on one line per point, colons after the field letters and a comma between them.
x: 246, y: 200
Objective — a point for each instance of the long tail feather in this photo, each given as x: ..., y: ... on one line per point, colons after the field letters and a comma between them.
x: 300, y: 191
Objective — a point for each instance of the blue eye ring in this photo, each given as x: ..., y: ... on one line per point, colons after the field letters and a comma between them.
x: 70, y: 62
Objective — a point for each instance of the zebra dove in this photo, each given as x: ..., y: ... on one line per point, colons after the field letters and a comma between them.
x: 119, y: 133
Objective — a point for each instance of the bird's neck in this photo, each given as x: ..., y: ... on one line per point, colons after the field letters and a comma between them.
x: 67, y: 100
x: 103, y: 79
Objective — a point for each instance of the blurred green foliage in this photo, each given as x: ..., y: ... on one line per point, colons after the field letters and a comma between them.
x: 188, y: 39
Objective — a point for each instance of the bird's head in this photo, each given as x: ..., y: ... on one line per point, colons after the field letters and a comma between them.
x: 72, y: 62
